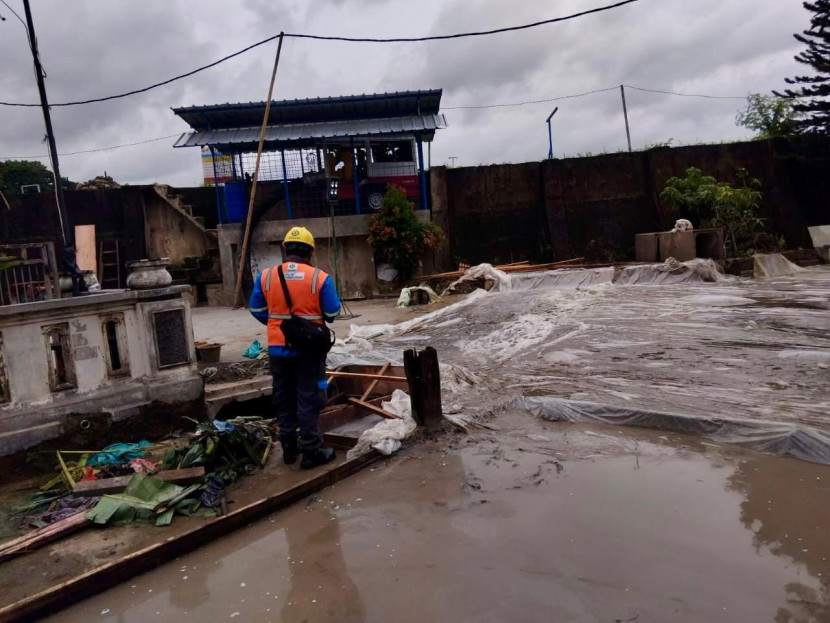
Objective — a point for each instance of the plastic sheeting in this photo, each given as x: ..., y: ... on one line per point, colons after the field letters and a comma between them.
x: 501, y: 280
x: 672, y: 272
x: 801, y: 442
x: 774, y: 265
x: 386, y: 436
x: 406, y: 295
x: 672, y: 338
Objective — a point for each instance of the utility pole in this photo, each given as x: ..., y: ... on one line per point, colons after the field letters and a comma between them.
x: 453, y: 158
x: 66, y: 231
x: 625, y: 112
x: 550, y: 133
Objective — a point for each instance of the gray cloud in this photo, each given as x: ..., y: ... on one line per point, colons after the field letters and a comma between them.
x: 97, y: 47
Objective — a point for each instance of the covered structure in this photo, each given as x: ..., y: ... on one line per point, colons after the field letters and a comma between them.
x: 362, y: 142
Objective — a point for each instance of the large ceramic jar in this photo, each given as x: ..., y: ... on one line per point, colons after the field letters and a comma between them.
x: 149, y: 274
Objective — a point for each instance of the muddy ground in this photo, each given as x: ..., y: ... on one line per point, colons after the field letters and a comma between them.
x: 535, y: 522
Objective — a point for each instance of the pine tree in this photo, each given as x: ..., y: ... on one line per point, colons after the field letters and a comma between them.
x: 811, y: 98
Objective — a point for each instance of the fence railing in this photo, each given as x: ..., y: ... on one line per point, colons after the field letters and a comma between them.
x: 28, y: 273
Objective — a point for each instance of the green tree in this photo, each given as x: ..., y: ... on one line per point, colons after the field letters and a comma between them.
x: 811, y: 98
x: 398, y: 237
x: 17, y: 173
x: 719, y: 204
x: 769, y: 116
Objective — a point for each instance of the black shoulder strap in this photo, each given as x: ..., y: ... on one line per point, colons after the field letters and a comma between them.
x: 285, y: 291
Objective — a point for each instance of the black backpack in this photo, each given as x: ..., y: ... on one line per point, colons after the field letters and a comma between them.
x: 301, y: 334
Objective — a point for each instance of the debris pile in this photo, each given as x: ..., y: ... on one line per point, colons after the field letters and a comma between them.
x: 99, y: 182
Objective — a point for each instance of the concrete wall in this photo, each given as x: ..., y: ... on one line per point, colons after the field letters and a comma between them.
x: 168, y: 233
x: 558, y: 209
x: 35, y: 412
x: 355, y: 256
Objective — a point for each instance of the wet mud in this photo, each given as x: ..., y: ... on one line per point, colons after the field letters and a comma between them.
x: 535, y: 522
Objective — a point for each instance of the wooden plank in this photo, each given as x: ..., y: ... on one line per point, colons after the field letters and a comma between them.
x: 425, y: 383
x: 88, y: 488
x: 360, y: 375
x: 97, y: 580
x: 369, y: 407
x: 374, y: 383
x: 42, y: 536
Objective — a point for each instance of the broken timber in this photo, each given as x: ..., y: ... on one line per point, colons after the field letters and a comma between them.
x: 370, y: 407
x: 89, y: 488
x: 104, y: 577
x: 424, y: 377
x: 42, y: 536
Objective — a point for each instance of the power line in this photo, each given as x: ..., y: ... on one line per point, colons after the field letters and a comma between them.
x: 567, y: 97
x: 92, y: 151
x: 481, y: 107
x: 529, y: 102
x: 480, y: 33
x: 710, y: 97
x: 337, y: 38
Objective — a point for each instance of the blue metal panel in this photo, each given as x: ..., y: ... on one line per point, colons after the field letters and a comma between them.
x: 216, y: 187
x: 285, y: 187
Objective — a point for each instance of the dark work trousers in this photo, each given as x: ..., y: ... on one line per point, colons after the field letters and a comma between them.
x: 298, y: 397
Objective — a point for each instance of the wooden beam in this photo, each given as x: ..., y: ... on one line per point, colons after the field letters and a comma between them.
x: 369, y: 407
x: 42, y: 536
x: 89, y: 488
x: 360, y: 375
x: 104, y: 577
x: 374, y: 383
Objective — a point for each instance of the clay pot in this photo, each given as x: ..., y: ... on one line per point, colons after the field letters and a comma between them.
x: 149, y: 274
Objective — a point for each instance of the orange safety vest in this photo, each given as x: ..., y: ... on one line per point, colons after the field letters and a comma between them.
x: 304, y: 283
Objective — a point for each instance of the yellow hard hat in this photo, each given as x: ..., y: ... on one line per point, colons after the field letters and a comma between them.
x: 299, y: 234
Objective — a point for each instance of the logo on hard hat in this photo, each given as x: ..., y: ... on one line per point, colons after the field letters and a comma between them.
x: 295, y: 233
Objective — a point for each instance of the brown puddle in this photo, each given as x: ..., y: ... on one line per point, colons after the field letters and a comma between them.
x: 539, y: 522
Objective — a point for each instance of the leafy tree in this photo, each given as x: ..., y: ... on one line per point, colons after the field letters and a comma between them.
x: 17, y: 173
x: 719, y: 204
x: 811, y: 97
x: 397, y: 236
x: 769, y: 116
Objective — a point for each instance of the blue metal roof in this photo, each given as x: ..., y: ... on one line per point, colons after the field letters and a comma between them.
x: 309, y: 134
x: 313, y: 110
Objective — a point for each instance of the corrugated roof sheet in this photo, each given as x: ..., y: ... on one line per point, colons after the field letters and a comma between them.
x: 292, y: 134
x: 313, y: 110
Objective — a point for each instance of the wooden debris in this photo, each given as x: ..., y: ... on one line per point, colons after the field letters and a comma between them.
x: 89, y: 488
x: 517, y: 267
x: 374, y: 383
x: 424, y: 378
x: 369, y: 407
x: 360, y: 375
x: 42, y: 536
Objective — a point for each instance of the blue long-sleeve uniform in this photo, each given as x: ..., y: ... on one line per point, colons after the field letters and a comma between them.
x: 329, y: 304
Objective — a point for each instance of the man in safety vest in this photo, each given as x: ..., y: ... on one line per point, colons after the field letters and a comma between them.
x: 299, y: 377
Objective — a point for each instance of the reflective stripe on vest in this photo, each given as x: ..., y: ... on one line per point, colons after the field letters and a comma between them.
x: 288, y: 317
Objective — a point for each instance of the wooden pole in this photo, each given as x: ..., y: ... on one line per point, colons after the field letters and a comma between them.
x: 424, y: 377
x: 625, y: 113
x: 246, y: 237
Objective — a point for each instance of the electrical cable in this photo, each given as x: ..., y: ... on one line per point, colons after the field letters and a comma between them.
x: 334, y: 38
x: 711, y: 97
x: 91, y: 151
x: 544, y: 101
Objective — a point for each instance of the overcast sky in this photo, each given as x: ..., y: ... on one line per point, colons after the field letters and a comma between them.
x: 93, y: 48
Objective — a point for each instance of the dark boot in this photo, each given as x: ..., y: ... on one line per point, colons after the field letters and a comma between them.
x: 315, y: 458
x: 290, y: 450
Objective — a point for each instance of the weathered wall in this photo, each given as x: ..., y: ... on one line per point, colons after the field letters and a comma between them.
x: 577, y: 206
x: 34, y: 412
x: 170, y: 234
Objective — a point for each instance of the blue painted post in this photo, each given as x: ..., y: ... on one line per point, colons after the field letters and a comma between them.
x: 216, y: 186
x: 550, y: 134
x: 285, y: 186
x: 423, y: 177
x: 354, y: 180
